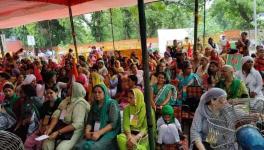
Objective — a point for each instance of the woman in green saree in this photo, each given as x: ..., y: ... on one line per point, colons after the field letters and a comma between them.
x: 163, y: 93
x: 135, y: 123
x: 187, y: 78
x: 235, y: 88
x: 103, y: 122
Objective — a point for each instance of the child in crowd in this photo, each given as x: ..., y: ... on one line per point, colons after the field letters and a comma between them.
x: 169, y: 128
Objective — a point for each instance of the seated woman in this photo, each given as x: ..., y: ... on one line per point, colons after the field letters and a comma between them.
x: 122, y: 90
x: 68, y: 118
x: 251, y: 77
x: 235, y: 88
x: 134, y: 122
x: 9, y: 108
x: 213, y: 104
x: 188, y: 78
x: 103, y: 122
x: 50, y: 105
x: 212, y: 77
x: 163, y: 93
x: 28, y: 121
x: 169, y: 127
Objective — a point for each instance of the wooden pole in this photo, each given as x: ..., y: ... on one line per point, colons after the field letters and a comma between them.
x: 73, y: 31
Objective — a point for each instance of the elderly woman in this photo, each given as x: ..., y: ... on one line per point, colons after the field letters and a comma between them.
x: 135, y: 123
x: 213, y: 104
x: 251, y: 77
x: 103, y: 122
x: 68, y: 118
x: 235, y: 88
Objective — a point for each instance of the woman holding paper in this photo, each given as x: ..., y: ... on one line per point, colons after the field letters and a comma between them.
x: 50, y: 105
x: 71, y: 115
x: 135, y: 123
x: 103, y: 122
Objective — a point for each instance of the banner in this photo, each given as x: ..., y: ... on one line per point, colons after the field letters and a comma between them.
x: 235, y: 60
x: 31, y: 40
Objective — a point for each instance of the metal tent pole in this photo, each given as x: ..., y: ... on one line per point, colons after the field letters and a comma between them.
x: 142, y: 26
x: 1, y: 46
x: 112, y: 27
x: 195, y: 24
x: 73, y: 31
x: 204, y: 23
x: 255, y: 22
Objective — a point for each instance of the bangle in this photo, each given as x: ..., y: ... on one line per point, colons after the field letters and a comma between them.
x: 59, y: 132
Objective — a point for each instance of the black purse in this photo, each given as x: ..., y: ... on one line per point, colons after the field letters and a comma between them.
x: 64, y: 136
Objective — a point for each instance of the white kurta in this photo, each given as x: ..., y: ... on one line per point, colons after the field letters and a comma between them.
x: 253, y: 81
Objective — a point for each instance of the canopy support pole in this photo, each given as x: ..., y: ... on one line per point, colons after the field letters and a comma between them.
x: 195, y: 25
x: 255, y: 22
x: 204, y: 23
x: 112, y: 27
x: 73, y: 32
x: 142, y: 26
x: 1, y: 46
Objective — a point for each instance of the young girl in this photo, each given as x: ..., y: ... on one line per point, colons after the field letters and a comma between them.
x: 169, y: 128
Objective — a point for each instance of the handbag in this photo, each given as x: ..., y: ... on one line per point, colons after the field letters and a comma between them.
x: 64, y: 136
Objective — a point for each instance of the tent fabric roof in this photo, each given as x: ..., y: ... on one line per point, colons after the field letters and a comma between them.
x: 19, y: 12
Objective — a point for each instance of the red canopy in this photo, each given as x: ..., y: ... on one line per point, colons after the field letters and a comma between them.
x: 19, y: 12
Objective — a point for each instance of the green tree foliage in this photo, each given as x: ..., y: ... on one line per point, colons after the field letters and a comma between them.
x: 234, y: 14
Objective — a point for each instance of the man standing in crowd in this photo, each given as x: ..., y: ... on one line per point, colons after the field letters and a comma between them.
x: 243, y: 44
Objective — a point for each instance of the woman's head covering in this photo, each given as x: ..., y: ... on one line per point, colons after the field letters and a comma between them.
x: 96, y: 78
x: 138, y: 110
x: 78, y: 91
x: 118, y: 63
x: 8, y: 85
x: 168, y: 110
x: 212, y: 94
x: 104, y: 116
x: 228, y: 68
x: 29, y: 78
x: 246, y: 59
x: 100, y: 61
x: 139, y: 97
